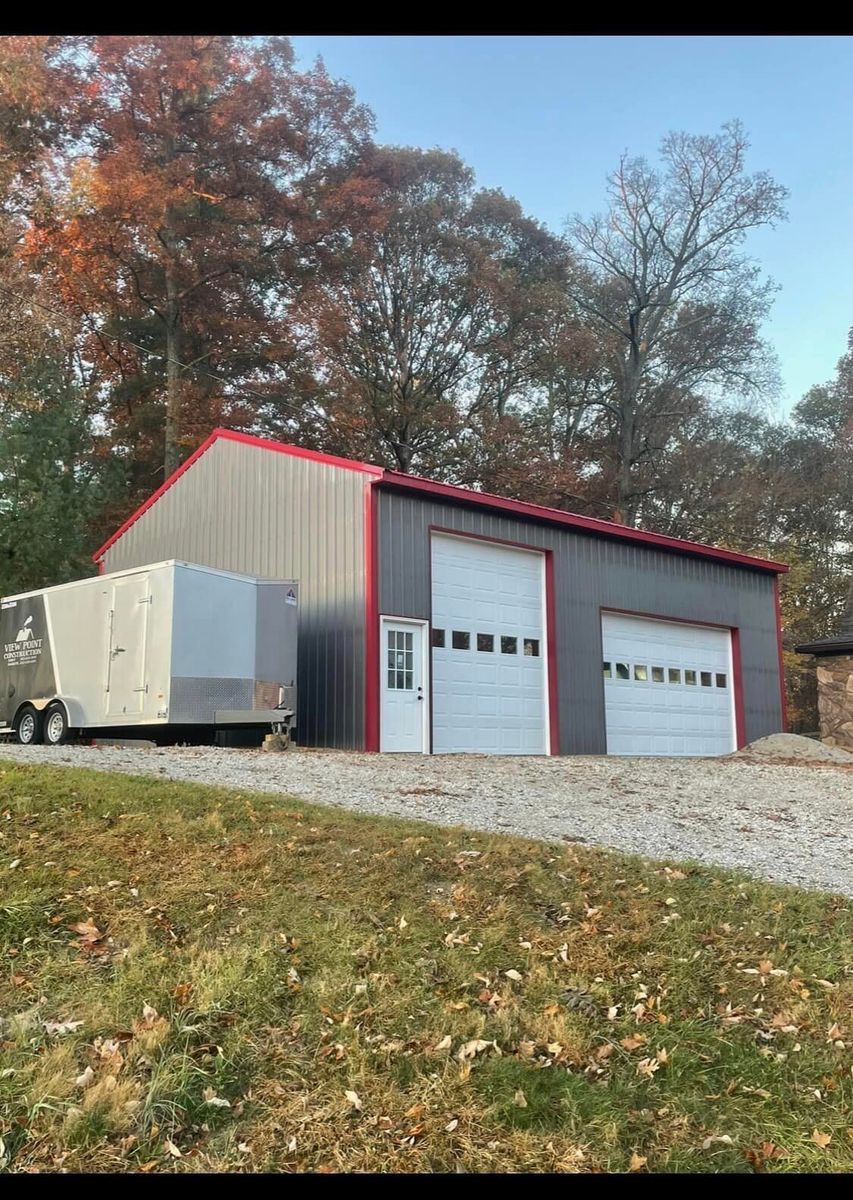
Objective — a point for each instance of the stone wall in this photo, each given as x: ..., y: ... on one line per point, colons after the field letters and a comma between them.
x: 835, y: 700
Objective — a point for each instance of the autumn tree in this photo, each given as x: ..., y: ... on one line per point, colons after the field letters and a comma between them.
x: 426, y: 333
x: 664, y: 283
x: 189, y: 218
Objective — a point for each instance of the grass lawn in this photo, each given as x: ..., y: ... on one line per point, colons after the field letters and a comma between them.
x: 196, y: 979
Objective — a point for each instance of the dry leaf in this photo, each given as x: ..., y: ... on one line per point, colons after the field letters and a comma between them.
x: 171, y: 1148
x: 514, y: 975
x: 444, y: 1045
x: 451, y: 1125
x: 519, y: 1099
x: 86, y: 1079
x: 354, y: 1099
x: 403, y: 923
x: 637, y: 1162
x: 633, y: 1041
x: 821, y: 1139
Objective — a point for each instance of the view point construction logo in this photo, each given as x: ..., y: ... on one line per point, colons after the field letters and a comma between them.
x: 26, y: 647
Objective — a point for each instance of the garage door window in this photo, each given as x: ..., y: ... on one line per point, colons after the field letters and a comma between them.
x: 721, y: 681
x: 608, y: 673
x: 623, y: 671
x: 531, y: 647
x: 438, y: 639
x: 486, y: 643
x: 509, y: 645
x: 690, y: 677
x: 706, y: 679
x: 460, y: 640
x: 674, y: 675
x: 641, y: 673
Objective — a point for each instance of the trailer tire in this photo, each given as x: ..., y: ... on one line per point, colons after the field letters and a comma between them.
x: 55, y: 724
x: 28, y: 726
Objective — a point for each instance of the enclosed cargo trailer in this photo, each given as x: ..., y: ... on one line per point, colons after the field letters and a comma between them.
x: 159, y: 651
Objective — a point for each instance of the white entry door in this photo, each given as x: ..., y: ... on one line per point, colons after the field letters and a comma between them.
x: 405, y: 702
x: 668, y: 687
x: 488, y: 648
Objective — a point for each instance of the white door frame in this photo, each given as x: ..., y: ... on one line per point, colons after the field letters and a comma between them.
x: 424, y: 626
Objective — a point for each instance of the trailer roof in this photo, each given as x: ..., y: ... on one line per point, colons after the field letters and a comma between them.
x: 397, y: 481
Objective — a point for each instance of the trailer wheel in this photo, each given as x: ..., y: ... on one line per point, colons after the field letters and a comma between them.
x: 55, y: 724
x: 28, y: 726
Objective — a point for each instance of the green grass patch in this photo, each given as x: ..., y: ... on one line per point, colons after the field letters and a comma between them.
x: 195, y: 979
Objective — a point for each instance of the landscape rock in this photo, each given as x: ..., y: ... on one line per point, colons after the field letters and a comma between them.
x: 789, y: 746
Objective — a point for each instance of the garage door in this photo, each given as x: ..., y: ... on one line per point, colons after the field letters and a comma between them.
x: 488, y: 648
x: 668, y: 688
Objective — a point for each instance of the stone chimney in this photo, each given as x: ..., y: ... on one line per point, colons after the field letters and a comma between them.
x: 835, y: 681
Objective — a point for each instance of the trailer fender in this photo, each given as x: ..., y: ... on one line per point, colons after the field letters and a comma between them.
x: 73, y: 708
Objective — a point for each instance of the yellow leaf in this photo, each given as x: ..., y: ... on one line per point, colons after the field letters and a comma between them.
x: 354, y: 1099
x: 821, y: 1139
x: 519, y: 1099
x: 637, y: 1162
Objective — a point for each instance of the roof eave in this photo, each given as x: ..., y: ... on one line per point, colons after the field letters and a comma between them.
x: 555, y: 516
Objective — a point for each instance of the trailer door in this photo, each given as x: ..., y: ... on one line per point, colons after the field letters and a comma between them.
x: 128, y: 628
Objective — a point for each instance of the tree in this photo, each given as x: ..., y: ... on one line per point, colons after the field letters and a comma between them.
x: 428, y: 327
x: 188, y: 220
x: 677, y: 307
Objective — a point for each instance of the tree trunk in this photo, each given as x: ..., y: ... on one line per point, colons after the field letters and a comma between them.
x: 171, y: 449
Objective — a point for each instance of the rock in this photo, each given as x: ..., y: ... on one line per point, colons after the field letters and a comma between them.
x: 793, y: 746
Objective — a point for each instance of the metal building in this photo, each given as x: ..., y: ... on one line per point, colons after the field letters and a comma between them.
x: 435, y: 618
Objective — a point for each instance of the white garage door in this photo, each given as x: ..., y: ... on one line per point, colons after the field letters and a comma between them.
x: 488, y: 648
x: 668, y: 688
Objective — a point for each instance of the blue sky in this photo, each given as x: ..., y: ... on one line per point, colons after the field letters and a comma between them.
x: 546, y: 119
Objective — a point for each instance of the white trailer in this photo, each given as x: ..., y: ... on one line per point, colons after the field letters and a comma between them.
x: 169, y: 651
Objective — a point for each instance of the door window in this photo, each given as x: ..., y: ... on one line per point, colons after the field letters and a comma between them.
x: 401, y: 665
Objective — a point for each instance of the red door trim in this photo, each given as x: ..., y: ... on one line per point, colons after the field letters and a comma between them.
x: 550, y: 621
x: 737, y: 668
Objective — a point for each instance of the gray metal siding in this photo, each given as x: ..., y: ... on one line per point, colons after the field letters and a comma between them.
x: 591, y: 573
x: 243, y: 508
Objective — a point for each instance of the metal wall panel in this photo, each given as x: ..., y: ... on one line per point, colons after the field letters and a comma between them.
x: 591, y: 573
x: 243, y: 508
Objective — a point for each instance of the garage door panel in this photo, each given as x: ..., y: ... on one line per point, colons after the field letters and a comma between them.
x: 488, y: 701
x: 655, y: 711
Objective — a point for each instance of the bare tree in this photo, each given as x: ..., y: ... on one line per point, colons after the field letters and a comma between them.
x: 665, y: 283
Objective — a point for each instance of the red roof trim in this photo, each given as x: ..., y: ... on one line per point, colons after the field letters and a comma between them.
x: 463, y: 495
x: 591, y: 524
x: 230, y: 435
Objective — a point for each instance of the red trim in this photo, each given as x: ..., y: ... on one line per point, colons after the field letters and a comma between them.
x: 155, y: 496
x: 102, y: 566
x: 737, y: 668
x: 783, y: 694
x: 371, y: 623
x: 230, y: 435
x: 550, y: 621
x: 465, y: 495
x: 737, y: 683
x: 591, y: 524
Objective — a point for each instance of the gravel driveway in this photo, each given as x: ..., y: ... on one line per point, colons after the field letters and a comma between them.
x: 793, y: 824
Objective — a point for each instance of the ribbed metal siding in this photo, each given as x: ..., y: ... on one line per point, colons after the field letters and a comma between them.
x: 243, y: 508
x: 592, y: 573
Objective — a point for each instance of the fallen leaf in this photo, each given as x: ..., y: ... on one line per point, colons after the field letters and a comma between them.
x: 171, y: 1148
x: 86, y: 1079
x: 633, y: 1041
x: 821, y: 1139
x: 515, y: 976
x: 451, y: 1125
x: 354, y: 1099
x: 444, y: 1045
x: 519, y: 1099
x: 58, y: 1028
x: 637, y: 1162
